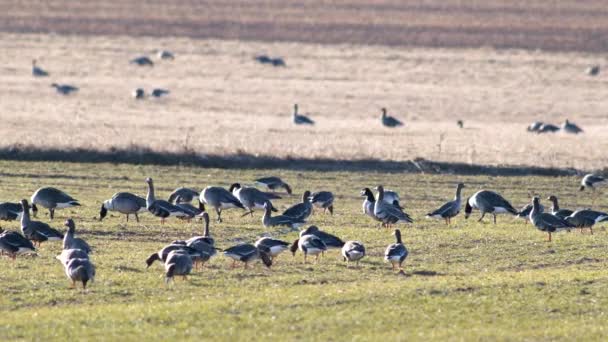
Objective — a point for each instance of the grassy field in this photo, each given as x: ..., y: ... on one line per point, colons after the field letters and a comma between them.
x: 470, y: 281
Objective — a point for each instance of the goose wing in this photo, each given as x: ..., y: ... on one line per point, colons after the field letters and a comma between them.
x: 396, y: 250
x: 494, y: 200
x: 444, y: 210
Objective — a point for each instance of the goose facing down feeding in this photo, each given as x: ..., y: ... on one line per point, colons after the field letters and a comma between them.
x: 71, y: 242
x: 37, y: 231
x: 591, y: 181
x: 52, y: 199
x: 353, y: 251
x: 273, y: 183
x: 449, y: 209
x: 219, y: 199
x: 396, y: 253
x: 556, y: 210
x: 37, y: 71
x: 183, y: 195
x: 162, y: 208
x: 593, y: 70
x: 388, y: 213
x: 300, y: 119
x: 302, y: 210
x: 178, y: 263
x: 279, y: 221
x: 274, y: 246
x: 248, y: 253
x: 311, y: 245
x: 64, y: 89
x: 159, y: 92
x: 10, y: 211
x: 13, y: 244
x: 142, y: 61
x: 524, y: 212
x: 80, y: 270
x: 389, y: 121
x: 586, y: 218
x: 138, y: 93
x: 488, y: 202
x: 125, y: 203
x: 251, y: 198
x: 569, y: 127
x: 164, y: 253
x: 547, y: 222
x: 323, y: 200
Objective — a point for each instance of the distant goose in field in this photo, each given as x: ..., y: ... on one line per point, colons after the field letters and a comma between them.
x: 273, y: 183
x: 183, y: 195
x: 353, y: 251
x: 164, y: 253
x: 125, y: 203
x: 71, y: 242
x: 248, y: 253
x: 396, y: 253
x: 593, y: 70
x: 274, y: 246
x: 586, y: 218
x: 10, y: 211
x: 13, y: 244
x: 524, y: 212
x: 264, y: 59
x: 323, y: 200
x: 278, y: 62
x: 36, y: 231
x: 80, y: 270
x: 142, y: 61
x: 547, y: 128
x: 159, y: 92
x: 569, y: 127
x: 389, y: 214
x: 164, y: 54
x: 555, y: 209
x: 138, y: 93
x: 535, y: 126
x: 460, y: 124
x: 302, y: 210
x: 251, y: 198
x: 300, y: 119
x: 178, y: 263
x: 280, y: 220
x: 591, y: 181
x: 162, y: 208
x: 310, y: 245
x: 389, y: 121
x: 37, y: 71
x: 488, y: 202
x: 52, y: 199
x: 219, y: 199
x: 68, y: 254
x: 449, y: 209
x: 64, y: 89
x: 547, y: 222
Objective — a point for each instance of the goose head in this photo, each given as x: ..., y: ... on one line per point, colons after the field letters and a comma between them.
x: 149, y: 180
x: 294, y: 247
x: 468, y: 209
x: 265, y: 256
x: 287, y: 188
x: 380, y: 190
x: 71, y: 226
x: 234, y: 186
x: 309, y: 230
x: 383, y: 112
x: 151, y: 259
x: 553, y: 199
x: 397, y: 234
x: 25, y: 205
x: 295, y: 109
x: 306, y: 196
x: 103, y: 211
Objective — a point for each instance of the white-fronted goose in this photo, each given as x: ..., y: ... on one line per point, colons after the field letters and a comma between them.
x: 591, y: 181
x: 311, y: 244
x: 251, y: 198
x: 546, y: 222
x: 389, y: 121
x: 205, y: 244
x: 273, y: 183
x: 556, y: 210
x: 125, y: 203
x: 449, y: 209
x: 162, y: 208
x: 52, y: 199
x: 388, y: 213
x: 593, y: 70
x: 37, y: 71
x: 13, y: 244
x: 396, y: 253
x: 302, y: 210
x: 178, y: 263
x: 300, y: 119
x: 80, y: 270
x: 274, y: 246
x: 353, y: 251
x: 142, y: 61
x: 279, y: 221
x: 248, y: 253
x: 183, y: 195
x: 64, y: 89
x: 323, y: 200
x: 586, y: 218
x: 138, y: 93
x: 164, y: 54
x: 219, y: 198
x: 488, y: 202
x: 164, y: 252
x: 10, y: 211
x: 68, y: 254
x: 71, y: 242
x: 159, y: 92
x: 36, y: 231
x: 569, y: 127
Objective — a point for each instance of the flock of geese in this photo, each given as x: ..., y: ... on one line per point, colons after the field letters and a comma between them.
x: 179, y: 257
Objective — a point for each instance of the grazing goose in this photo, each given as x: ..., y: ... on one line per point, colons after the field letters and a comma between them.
x: 80, y: 270
x: 162, y: 208
x: 389, y: 121
x: 396, y: 252
x: 547, y: 222
x: 69, y: 254
x: 353, y: 251
x: 281, y: 220
x: 310, y: 244
x: 273, y: 183
x: 591, y: 181
x: 323, y: 200
x: 159, y: 92
x: 37, y: 231
x: 248, y: 253
x: 449, y: 209
x: 593, y: 70
x: 586, y: 218
x: 330, y: 241
x: 142, y: 61
x: 71, y: 242
x: 183, y: 195
x: 138, y: 93
x: 219, y: 198
x: 488, y: 202
x: 274, y: 246
x: 10, y: 211
x: 205, y: 244
x: 555, y: 210
x: 37, y: 71
x: 535, y: 126
x: 13, y: 244
x: 125, y: 203
x: 524, y: 212
x: 569, y: 127
x: 251, y: 198
x: 388, y: 213
x: 178, y: 263
x: 302, y: 210
x: 278, y: 62
x: 52, y: 199
x: 164, y: 252
x: 300, y: 119
x: 164, y: 54
x: 263, y: 59
x: 547, y: 128
x: 64, y: 89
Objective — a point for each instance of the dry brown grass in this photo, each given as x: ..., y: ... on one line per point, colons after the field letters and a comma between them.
x: 224, y: 102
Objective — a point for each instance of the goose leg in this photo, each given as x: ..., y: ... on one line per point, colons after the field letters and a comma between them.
x: 331, y: 210
x: 127, y: 217
x: 219, y: 214
x: 481, y: 218
x: 494, y: 218
x: 52, y: 213
x: 136, y: 218
x: 549, y: 240
x: 305, y: 258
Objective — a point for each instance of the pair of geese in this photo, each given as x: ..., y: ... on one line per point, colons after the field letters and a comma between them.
x: 64, y: 89
x: 387, y: 120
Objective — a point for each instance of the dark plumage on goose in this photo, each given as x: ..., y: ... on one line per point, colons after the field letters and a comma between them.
x: 323, y: 200
x: 353, y: 251
x: 396, y: 253
x: 556, y: 210
x: 273, y: 183
x: 300, y: 119
x: 302, y: 210
x: 52, y: 199
x: 36, y: 231
x: 389, y: 214
x: 547, y: 222
x: 569, y: 127
x: 586, y: 218
x: 162, y: 208
x: 488, y: 202
x: 13, y: 244
x: 219, y: 199
x: 142, y: 61
x: 247, y: 253
x: 389, y: 121
x: 64, y: 89
x: 591, y: 181
x: 10, y: 211
x: 449, y: 209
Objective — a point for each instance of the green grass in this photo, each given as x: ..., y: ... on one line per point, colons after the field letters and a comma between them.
x: 470, y: 281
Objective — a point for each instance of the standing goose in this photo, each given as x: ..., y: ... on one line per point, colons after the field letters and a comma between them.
x: 300, y: 119
x: 388, y: 213
x: 591, y: 181
x: 178, y: 263
x: 586, y: 218
x: 389, y: 121
x: 159, y: 92
x: 164, y: 54
x: 125, y: 203
x: 392, y: 197
x: 219, y: 198
x: 368, y: 203
x: 281, y: 220
x: 13, y: 244
x: 524, y: 212
x: 274, y: 246
x: 205, y: 244
x: 353, y: 251
x: 449, y: 209
x: 142, y: 61
x: 37, y: 71
x: 251, y: 198
x: 248, y: 253
x: 273, y: 183
x: 37, y: 231
x: 52, y: 199
x: 323, y: 200
x: 546, y: 222
x: 311, y: 244
x: 64, y: 89
x: 164, y: 253
x: 10, y: 211
x: 396, y: 252
x: 300, y: 210
x: 488, y: 202
x: 569, y: 127
x: 555, y: 210
x: 80, y: 270
x: 162, y: 208
x: 71, y: 242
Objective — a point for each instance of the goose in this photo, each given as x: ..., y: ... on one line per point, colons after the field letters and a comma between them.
x: 64, y: 89
x: 389, y: 121
x: 388, y: 213
x: 205, y: 244
x: 569, y: 127
x: 396, y: 253
x: 178, y: 263
x: 460, y: 124
x: 80, y: 270
x: 37, y: 231
x: 125, y: 203
x: 591, y: 181
x: 391, y: 197
x: 524, y: 212
x: 183, y: 195
x: 71, y: 242
x: 330, y: 241
x: 353, y: 251
x: 488, y: 202
x: 368, y: 203
x: 300, y: 210
x: 52, y: 199
x: 206, y: 237
x: 68, y: 254
x: 164, y: 54
x: 311, y: 244
x: 449, y: 209
x: 13, y: 244
x: 277, y: 62
x: 164, y: 253
x: 251, y: 198
x: 273, y: 183
x: 248, y: 253
x: 281, y: 220
x: 37, y: 71
x: 10, y: 211
x: 555, y: 210
x: 274, y: 246
x: 263, y: 59
x: 323, y: 200
x: 586, y: 218
x: 191, y: 210
x: 219, y: 198
x: 547, y: 128
x: 142, y: 61
x: 535, y: 126
x: 593, y: 70
x: 300, y: 119
x: 138, y: 93
x: 159, y: 92
x: 547, y: 222
x: 162, y: 208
